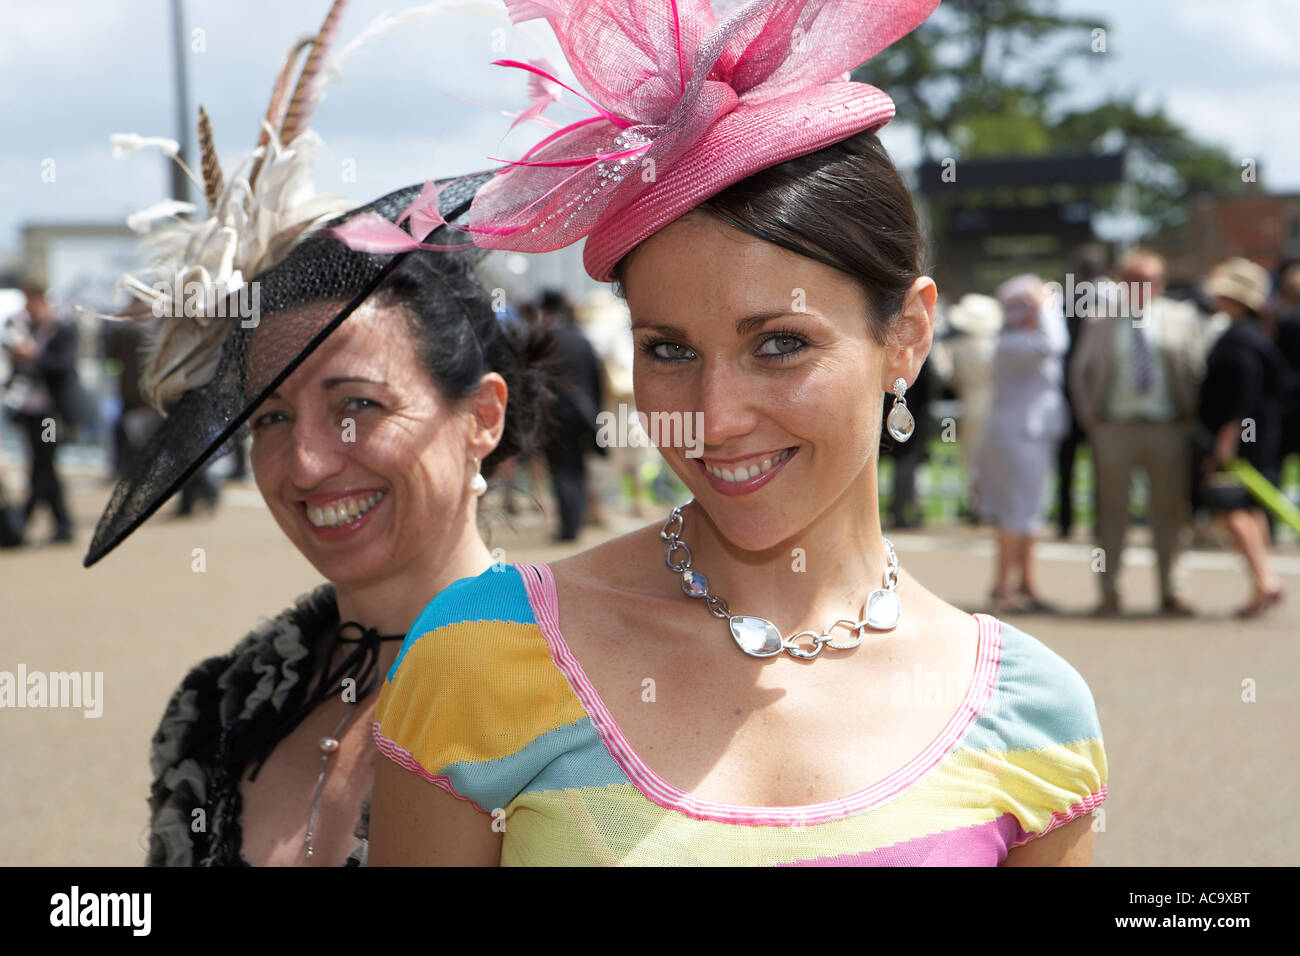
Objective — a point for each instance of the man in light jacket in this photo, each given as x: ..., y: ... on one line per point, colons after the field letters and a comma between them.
x: 1134, y: 382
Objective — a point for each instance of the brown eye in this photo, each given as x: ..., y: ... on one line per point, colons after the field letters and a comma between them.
x: 270, y: 418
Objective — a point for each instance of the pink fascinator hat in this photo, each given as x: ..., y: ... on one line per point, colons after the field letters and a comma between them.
x: 687, y: 98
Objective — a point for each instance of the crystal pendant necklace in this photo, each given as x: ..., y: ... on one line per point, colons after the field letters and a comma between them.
x: 758, y: 636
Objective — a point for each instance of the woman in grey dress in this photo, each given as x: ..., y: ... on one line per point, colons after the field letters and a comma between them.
x: 1028, y: 418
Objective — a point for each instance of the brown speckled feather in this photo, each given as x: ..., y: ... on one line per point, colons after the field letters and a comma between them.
x: 212, y: 180
x: 305, y: 93
x: 275, y: 111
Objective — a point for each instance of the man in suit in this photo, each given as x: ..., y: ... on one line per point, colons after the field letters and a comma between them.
x: 44, y: 399
x: 1134, y: 381
x: 579, y: 394
x: 1091, y: 263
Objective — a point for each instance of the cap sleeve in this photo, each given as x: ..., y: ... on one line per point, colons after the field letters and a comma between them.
x: 1040, y: 739
x: 473, y: 700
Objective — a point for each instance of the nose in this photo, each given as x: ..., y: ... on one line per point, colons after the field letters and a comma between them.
x: 725, y: 403
x: 318, y: 451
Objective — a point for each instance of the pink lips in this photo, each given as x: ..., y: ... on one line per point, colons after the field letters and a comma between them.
x: 736, y: 488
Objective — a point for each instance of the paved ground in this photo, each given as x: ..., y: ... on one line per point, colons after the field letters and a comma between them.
x: 1197, y: 775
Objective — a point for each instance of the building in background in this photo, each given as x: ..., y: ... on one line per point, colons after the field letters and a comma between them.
x: 1259, y: 227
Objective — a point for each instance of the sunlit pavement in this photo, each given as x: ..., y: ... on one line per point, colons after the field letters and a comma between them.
x: 1197, y: 774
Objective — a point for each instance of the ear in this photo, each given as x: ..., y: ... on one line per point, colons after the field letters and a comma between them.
x: 487, y: 409
x: 913, y: 334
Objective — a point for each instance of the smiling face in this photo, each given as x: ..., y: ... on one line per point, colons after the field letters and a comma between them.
x: 359, y: 458
x: 775, y: 350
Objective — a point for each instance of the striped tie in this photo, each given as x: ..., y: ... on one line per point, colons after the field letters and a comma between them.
x: 1141, y: 360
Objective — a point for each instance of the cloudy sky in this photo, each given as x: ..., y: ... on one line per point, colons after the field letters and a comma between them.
x: 72, y: 72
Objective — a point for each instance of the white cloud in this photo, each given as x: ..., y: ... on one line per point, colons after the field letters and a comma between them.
x: 1262, y: 31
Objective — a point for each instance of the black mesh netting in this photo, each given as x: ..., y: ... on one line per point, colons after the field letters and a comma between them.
x: 299, y: 308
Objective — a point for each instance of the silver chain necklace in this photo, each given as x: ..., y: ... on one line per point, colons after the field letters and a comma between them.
x: 328, y: 747
x: 758, y: 636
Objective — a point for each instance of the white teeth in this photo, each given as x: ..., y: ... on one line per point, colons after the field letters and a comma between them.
x: 331, y: 516
x: 746, y: 473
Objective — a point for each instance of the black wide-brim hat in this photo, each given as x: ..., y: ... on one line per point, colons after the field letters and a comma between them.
x: 298, y: 311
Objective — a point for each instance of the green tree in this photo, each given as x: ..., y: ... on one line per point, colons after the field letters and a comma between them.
x: 984, y: 79
x: 1167, y: 164
x: 974, y: 59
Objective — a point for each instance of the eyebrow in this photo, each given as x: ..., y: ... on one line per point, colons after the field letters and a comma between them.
x: 332, y: 382
x: 746, y: 325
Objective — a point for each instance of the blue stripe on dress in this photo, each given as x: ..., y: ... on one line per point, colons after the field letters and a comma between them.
x: 498, y: 588
x: 567, y: 757
x: 1039, y: 700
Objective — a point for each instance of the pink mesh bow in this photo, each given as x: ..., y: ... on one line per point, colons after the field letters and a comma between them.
x: 686, y: 96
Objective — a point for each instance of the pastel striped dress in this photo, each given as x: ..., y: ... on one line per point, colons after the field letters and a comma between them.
x: 487, y: 701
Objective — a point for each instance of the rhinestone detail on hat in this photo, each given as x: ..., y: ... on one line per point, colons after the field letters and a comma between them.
x: 611, y: 173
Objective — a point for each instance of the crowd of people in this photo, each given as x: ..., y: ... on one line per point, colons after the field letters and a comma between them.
x: 1175, y: 388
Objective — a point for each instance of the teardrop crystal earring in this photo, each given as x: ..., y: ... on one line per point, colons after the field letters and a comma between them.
x: 900, y: 421
x: 477, y: 484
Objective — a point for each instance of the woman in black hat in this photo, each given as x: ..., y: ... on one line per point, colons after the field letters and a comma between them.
x: 381, y: 391
x: 371, y: 455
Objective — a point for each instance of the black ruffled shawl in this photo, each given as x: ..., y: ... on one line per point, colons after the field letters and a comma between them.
x: 227, y: 714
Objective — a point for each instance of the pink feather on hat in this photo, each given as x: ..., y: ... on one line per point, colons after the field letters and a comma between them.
x: 687, y: 97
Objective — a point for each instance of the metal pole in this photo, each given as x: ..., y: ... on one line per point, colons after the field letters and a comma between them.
x: 180, y: 182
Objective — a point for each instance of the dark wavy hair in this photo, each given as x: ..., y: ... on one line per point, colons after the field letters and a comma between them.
x: 459, y: 338
x: 845, y: 206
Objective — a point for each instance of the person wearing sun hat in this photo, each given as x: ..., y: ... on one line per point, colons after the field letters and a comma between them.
x: 1242, y: 411
x: 975, y: 320
x: 628, y: 706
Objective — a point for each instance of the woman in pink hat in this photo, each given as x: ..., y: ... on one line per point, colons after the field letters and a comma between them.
x: 757, y: 680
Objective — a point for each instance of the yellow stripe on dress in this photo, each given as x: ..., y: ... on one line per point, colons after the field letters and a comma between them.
x: 475, y: 691
x: 1034, y: 784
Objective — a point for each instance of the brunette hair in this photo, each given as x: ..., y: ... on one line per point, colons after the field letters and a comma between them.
x: 845, y: 206
x: 459, y: 338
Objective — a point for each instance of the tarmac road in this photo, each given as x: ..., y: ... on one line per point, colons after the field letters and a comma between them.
x: 1197, y: 775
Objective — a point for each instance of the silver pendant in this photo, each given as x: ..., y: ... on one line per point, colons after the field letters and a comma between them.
x: 900, y: 422
x: 759, y: 637
x: 883, y: 610
x: 756, y: 636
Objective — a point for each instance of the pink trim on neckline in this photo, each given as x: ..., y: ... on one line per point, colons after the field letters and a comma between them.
x: 539, y: 584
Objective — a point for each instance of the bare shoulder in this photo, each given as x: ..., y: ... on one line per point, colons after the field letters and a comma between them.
x: 935, y: 614
x: 618, y: 564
